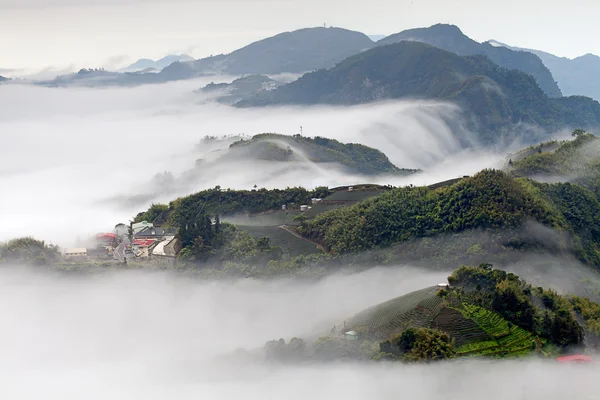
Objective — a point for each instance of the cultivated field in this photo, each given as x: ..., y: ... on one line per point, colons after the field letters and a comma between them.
x: 290, y: 244
x: 416, y: 309
x: 353, y: 196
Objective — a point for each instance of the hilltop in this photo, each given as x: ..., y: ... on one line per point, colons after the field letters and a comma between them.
x: 241, y: 88
x: 575, y: 76
x: 483, y: 312
x: 451, y: 38
x: 146, y: 63
x: 494, y: 100
x: 355, y: 158
x: 297, y: 51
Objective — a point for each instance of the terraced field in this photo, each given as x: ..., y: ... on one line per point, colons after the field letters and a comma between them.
x: 353, y: 196
x: 321, y: 208
x: 416, y: 309
x: 274, y: 218
x: 290, y: 244
x: 506, y: 339
x: 462, y: 330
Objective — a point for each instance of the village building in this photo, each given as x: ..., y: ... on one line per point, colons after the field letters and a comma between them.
x: 161, y: 248
x: 154, y: 233
x: 140, y: 226
x: 75, y: 253
x: 143, y: 247
x: 351, y: 335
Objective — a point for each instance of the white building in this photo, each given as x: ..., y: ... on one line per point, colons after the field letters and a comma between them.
x: 75, y: 252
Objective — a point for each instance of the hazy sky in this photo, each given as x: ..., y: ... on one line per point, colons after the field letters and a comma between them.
x: 41, y: 33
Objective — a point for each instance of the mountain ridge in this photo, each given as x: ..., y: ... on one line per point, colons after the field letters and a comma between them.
x: 451, y: 38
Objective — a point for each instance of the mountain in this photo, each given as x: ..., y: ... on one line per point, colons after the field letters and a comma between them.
x: 298, y: 51
x: 493, y: 99
x: 575, y: 76
x: 146, y: 63
x: 241, y: 88
x: 3, y: 79
x: 450, y: 38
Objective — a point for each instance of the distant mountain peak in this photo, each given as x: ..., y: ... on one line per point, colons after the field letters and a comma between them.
x: 451, y: 38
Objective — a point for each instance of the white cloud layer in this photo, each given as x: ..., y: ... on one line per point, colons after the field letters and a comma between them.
x: 155, y: 336
x: 66, y: 150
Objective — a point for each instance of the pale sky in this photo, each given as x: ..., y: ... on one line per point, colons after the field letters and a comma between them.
x: 91, y: 33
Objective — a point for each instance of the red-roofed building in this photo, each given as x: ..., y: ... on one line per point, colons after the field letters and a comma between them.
x: 141, y: 247
x: 576, y: 359
x: 106, y: 237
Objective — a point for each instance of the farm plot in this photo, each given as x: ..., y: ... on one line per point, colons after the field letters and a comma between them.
x: 290, y: 244
x: 273, y: 218
x: 321, y: 208
x: 507, y: 340
x: 462, y: 330
x: 353, y: 196
x: 417, y: 309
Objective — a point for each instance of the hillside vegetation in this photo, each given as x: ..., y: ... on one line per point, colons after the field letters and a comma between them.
x: 495, y: 207
x: 494, y: 99
x: 484, y: 312
x: 356, y: 158
x: 28, y: 250
x: 451, y: 38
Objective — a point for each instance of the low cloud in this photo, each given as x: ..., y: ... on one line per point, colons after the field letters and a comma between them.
x: 68, y: 150
x: 143, y: 335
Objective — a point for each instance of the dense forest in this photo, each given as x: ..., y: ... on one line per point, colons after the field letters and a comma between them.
x: 494, y: 99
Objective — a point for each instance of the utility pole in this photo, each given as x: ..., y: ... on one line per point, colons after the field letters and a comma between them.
x: 300, y: 130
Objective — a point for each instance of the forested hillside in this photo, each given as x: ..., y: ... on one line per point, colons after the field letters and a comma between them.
x: 450, y: 38
x: 490, y: 203
x: 493, y: 99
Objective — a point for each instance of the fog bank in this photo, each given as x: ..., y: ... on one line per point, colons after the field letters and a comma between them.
x: 67, y: 150
x: 143, y: 335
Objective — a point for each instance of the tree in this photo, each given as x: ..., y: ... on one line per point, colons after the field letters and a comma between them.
x: 300, y: 218
x: 577, y: 132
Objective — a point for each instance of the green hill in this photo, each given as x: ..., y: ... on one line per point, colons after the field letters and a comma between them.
x: 450, y: 38
x: 483, y: 312
x: 493, y: 99
x: 356, y: 158
x: 493, y: 211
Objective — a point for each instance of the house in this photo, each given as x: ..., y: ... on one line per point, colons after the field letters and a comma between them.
x: 143, y: 247
x: 154, y: 233
x: 161, y: 249
x: 443, y: 286
x: 75, y: 253
x: 303, y: 208
x: 141, y: 225
x: 351, y: 335
x: 106, y: 237
x: 316, y: 201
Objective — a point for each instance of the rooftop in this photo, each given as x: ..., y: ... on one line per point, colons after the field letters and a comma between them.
x: 143, y: 242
